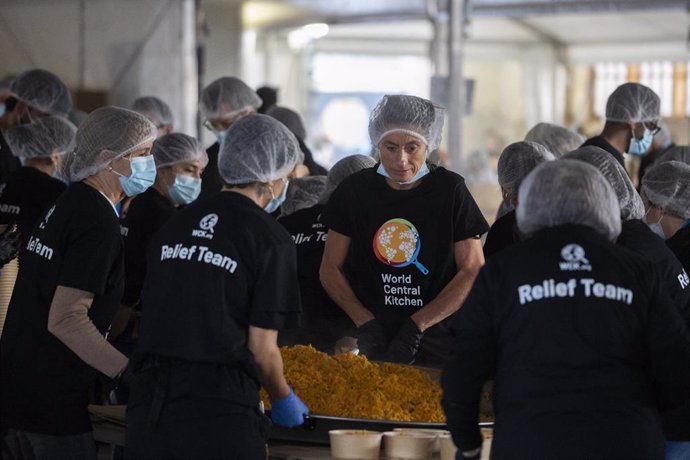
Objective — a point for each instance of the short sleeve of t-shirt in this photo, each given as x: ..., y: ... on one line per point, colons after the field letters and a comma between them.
x: 468, y: 219
x: 335, y: 214
x: 91, y: 251
x: 276, y: 299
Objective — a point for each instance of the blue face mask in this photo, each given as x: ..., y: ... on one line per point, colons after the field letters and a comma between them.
x: 142, y: 177
x: 423, y: 171
x: 276, y: 202
x: 639, y: 147
x: 185, y: 189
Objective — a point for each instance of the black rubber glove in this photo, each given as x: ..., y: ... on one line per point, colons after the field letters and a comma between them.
x: 10, y: 241
x: 403, y: 348
x: 119, y: 393
x: 371, y: 339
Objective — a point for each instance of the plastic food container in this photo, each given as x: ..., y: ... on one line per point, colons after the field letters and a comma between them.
x: 355, y: 444
x: 408, y: 445
x: 448, y: 448
x: 435, y: 444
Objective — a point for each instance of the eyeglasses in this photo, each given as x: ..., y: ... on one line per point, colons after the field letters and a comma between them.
x: 654, y: 129
x: 223, y: 124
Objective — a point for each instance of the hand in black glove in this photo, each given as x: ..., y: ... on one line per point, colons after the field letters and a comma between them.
x: 119, y: 394
x: 371, y: 339
x: 403, y: 348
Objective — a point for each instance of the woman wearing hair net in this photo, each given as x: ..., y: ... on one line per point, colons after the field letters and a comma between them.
x: 403, y: 243
x: 69, y: 285
x: 180, y: 161
x: 515, y: 162
x: 557, y: 139
x: 157, y: 111
x: 581, y: 339
x: 227, y: 269
x: 323, y: 322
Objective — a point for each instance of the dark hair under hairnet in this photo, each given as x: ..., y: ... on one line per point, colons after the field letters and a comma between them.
x: 289, y: 118
x: 632, y: 103
x: 667, y: 185
x: 227, y: 96
x: 567, y: 192
x: 43, y: 91
x: 629, y: 200
x: 343, y: 169
x: 155, y: 109
x: 176, y: 148
x: 557, y: 139
x: 678, y: 153
x: 303, y: 193
x: 42, y: 138
x: 516, y: 161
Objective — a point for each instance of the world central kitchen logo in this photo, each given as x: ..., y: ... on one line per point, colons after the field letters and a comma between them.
x: 206, y: 225
x: 574, y: 259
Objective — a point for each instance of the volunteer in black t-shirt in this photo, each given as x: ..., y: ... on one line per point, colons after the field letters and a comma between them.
x: 403, y: 243
x: 582, y: 341
x: 69, y: 284
x: 323, y: 322
x: 180, y: 160
x: 221, y: 282
x: 222, y: 103
x: 515, y: 162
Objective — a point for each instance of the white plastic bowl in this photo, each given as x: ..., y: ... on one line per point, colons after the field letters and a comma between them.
x: 408, y: 445
x: 448, y: 448
x: 355, y: 444
x: 436, y: 443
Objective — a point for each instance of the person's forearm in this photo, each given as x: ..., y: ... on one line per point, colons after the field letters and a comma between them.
x: 448, y: 301
x: 339, y: 290
x: 270, y: 364
x: 68, y: 320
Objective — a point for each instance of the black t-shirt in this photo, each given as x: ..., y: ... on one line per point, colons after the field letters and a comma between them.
x: 402, y: 248
x: 146, y: 215
x: 599, y: 141
x: 680, y: 245
x: 77, y: 244
x: 26, y: 196
x: 582, y: 342
x: 214, y: 269
x: 503, y: 233
x: 211, y: 182
x: 8, y: 162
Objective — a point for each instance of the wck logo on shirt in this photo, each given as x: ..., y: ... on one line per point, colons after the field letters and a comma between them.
x: 44, y: 222
x: 574, y: 259
x: 206, y: 225
x: 397, y: 243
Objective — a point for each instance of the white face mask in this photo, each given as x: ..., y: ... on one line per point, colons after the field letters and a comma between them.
x: 655, y: 226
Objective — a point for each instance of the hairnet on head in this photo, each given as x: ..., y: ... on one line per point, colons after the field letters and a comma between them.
x: 107, y: 133
x: 667, y: 185
x: 632, y: 103
x: 42, y: 91
x: 629, y: 200
x: 155, y: 109
x: 410, y: 115
x: 557, y: 139
x: 516, y: 161
x: 303, y: 193
x: 679, y: 153
x: 257, y: 148
x: 289, y: 118
x: 42, y: 138
x: 176, y: 148
x: 227, y: 96
x: 343, y: 169
x: 567, y: 192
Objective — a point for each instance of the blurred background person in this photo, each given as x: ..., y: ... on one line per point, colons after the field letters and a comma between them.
x: 293, y: 121
x: 679, y: 153
x: 516, y: 161
x: 269, y: 98
x: 157, y: 111
x: 425, y: 228
x: 33, y: 94
x: 196, y: 398
x: 569, y: 336
x: 661, y: 144
x: 222, y: 103
x: 557, y: 139
x: 323, y: 322
x: 70, y: 283
x: 632, y: 120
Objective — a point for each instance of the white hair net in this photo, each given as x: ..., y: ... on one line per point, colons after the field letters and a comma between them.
x: 227, y: 96
x: 303, y: 193
x: 557, y: 139
x: 176, y: 148
x: 42, y: 138
x: 632, y: 103
x: 289, y: 118
x: 667, y: 185
x: 155, y: 109
x: 42, y: 90
x: 107, y: 133
x: 343, y: 169
x: 679, y: 153
x: 629, y: 200
x: 516, y: 161
x: 257, y: 148
x: 567, y: 192
x: 407, y: 114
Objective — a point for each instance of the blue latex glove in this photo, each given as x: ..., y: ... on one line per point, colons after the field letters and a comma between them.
x: 288, y: 411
